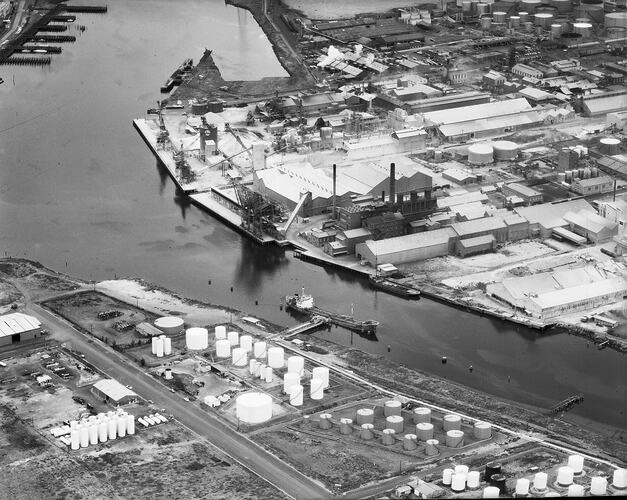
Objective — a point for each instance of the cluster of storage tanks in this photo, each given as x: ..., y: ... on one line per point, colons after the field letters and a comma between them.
x: 101, y: 428
x: 460, y: 478
x: 293, y: 384
x: 161, y: 346
x: 486, y: 152
x: 421, y: 429
x: 579, y: 173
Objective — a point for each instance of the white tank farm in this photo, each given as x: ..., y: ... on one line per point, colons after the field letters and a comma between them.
x: 290, y: 379
x: 392, y: 407
x: 246, y: 342
x: 239, y: 357
x: 321, y: 372
x: 432, y: 447
x: 455, y: 439
x: 233, y: 338
x: 103, y: 431
x: 259, y: 349
x: 223, y: 348
x: 409, y: 442
x: 522, y: 487
x: 296, y: 395
x: 324, y: 421
x: 130, y: 424
x: 170, y: 325
x: 619, y: 479
x: 387, y: 437
x: 219, y: 332
x: 268, y: 374
x: 505, y: 150
x: 112, y: 427
x: 482, y: 430
x: 480, y: 154
x: 364, y: 416
x: 296, y: 364
x: 196, y: 338
x: 540, y: 481
x: 253, y: 407
x: 346, y: 425
x: 452, y: 422
x: 424, y: 431
x: 93, y: 433
x: 422, y: 415
x: 616, y: 20
x: 366, y: 432
x: 316, y: 389
x: 159, y: 347
x: 395, y: 422
x: 276, y: 356
x: 473, y: 479
x: 83, y: 434
x: 447, y: 476
x: 458, y: 482
x: 75, y: 439
x: 575, y: 462
x: 565, y: 476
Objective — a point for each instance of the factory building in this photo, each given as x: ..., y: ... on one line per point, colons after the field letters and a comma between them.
x: 545, y: 217
x: 415, y: 92
x: 528, y: 195
x: 517, y: 227
x: 488, y: 226
x: 458, y: 176
x: 17, y: 327
x: 113, y: 392
x: 591, y: 226
x: 604, y: 103
x: 593, y: 185
x: 410, y: 248
x: 411, y: 139
x: 474, y: 246
x: 469, y: 198
x: 525, y: 71
x: 351, y: 237
x: 450, y: 101
x: 389, y: 225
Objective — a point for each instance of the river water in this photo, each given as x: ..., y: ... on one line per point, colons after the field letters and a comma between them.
x: 80, y: 192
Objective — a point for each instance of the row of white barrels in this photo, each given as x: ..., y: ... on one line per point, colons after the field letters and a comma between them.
x: 100, y: 429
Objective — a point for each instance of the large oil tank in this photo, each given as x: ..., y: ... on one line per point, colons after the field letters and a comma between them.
x: 325, y: 421
x: 290, y: 379
x: 486, y: 23
x: 316, y: 388
x: 505, y: 150
x: 616, y: 20
x: 531, y: 5
x: 233, y: 338
x: 239, y: 357
x: 200, y: 107
x: 391, y: 407
x: 451, y: 422
x: 480, y: 154
x: 170, y: 325
x: 482, y: 430
x: 499, y: 16
x: 514, y: 21
x: 610, y: 146
x: 364, y: 416
x: 422, y: 414
x: 296, y: 395
x: 387, y: 437
x: 246, y: 343
x: 482, y: 9
x: 455, y: 439
x: 366, y: 432
x: 432, y: 447
x: 253, y: 407
x: 296, y: 364
x: 276, y: 357
x: 395, y: 422
x: 259, y: 349
x: 223, y: 348
x: 556, y: 30
x: 543, y: 19
x: 219, y: 332
x: 346, y: 425
x: 321, y: 372
x: 598, y: 486
x: 196, y: 338
x: 592, y: 9
x: 424, y: 431
x: 524, y: 16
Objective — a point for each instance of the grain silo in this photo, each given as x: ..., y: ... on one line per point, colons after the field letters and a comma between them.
x: 316, y: 388
x: 346, y: 425
x: 170, y: 325
x: 387, y: 437
x: 296, y: 364
x: 482, y: 430
x: 83, y: 435
x: 296, y: 395
x: 432, y: 447
x: 391, y: 407
x: 324, y: 421
x: 395, y: 422
x: 259, y: 349
x: 112, y: 427
x: 454, y: 439
x: 424, y: 431
x: 364, y: 416
x: 196, y: 338
x: 480, y: 154
x: 223, y: 348
x: 409, y: 442
x: 452, y: 422
x: 233, y: 338
x: 290, y: 379
x: 276, y: 357
x: 366, y: 432
x: 246, y: 342
x: 239, y: 357
x: 321, y: 372
x: 253, y: 408
x: 154, y: 342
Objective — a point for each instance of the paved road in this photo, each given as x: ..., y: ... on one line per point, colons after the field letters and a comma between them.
x: 237, y: 446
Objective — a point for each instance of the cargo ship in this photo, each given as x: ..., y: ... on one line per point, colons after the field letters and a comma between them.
x: 177, y: 77
x: 304, y: 304
x: 394, y: 287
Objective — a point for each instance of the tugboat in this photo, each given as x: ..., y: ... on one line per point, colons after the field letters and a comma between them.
x: 394, y: 287
x: 304, y: 304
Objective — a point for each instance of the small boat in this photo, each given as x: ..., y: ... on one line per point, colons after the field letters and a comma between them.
x: 304, y: 303
x: 394, y: 287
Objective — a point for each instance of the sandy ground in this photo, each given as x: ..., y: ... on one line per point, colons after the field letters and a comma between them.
x: 332, y: 9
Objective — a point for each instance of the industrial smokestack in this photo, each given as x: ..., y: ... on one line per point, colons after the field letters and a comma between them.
x: 334, y: 186
x: 392, y: 182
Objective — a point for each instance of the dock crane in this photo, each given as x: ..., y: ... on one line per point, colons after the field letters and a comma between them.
x: 164, y: 136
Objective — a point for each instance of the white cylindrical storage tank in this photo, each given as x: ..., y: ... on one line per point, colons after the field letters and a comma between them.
x: 530, y: 5
x: 543, y: 19
x: 387, y: 437
x: 259, y: 350
x: 251, y: 366
x: 598, y: 486
x: 159, y: 348
x: 395, y: 422
x: 276, y: 357
x: 482, y: 430
x: 392, y: 407
x: 223, y: 348
x: 112, y: 427
x: 155, y: 341
x: 447, y: 476
x: 321, y: 372
x: 167, y: 346
x: 239, y: 357
x: 93, y: 433
x: 540, y: 481
x: 584, y: 29
x: 556, y: 30
x: 424, y: 431
x: 575, y: 490
x: 616, y: 20
x: 346, y: 425
x: 103, y: 431
x: 431, y: 447
x: 196, y: 338
x: 83, y: 434
x: 499, y: 16
x: 257, y: 368
x: 514, y: 21
x: 619, y: 479
x: 575, y: 462
x: 73, y: 424
x: 486, y: 23
x: 505, y: 150
x: 121, y: 426
x: 233, y: 338
x: 246, y: 342
x: 522, y: 487
x: 491, y: 492
x: 296, y: 364
x: 253, y: 407
x: 325, y: 421
x: 296, y: 395
x: 268, y: 374
x: 130, y: 424
x: 473, y: 479
x: 409, y: 442
x: 565, y: 476
x: 219, y: 332
x: 523, y: 16
x: 610, y: 146
x: 480, y: 154
x: 452, y: 422
x: 461, y: 469
x: 316, y: 388
x: 454, y: 439
x: 75, y: 439
x: 367, y: 432
x: 458, y: 482
x: 290, y: 379
x: 170, y: 325
x: 422, y: 415
x: 262, y: 370
x: 364, y: 416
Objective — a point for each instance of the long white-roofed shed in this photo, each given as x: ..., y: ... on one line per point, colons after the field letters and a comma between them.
x: 112, y: 391
x: 17, y: 327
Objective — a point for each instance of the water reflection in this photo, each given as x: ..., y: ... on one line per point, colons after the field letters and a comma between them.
x: 163, y: 176
x: 257, y: 264
x: 182, y: 201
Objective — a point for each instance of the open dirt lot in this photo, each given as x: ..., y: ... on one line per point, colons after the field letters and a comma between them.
x: 332, y: 9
